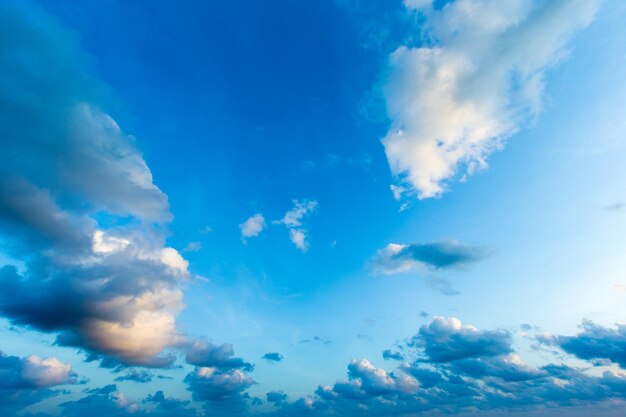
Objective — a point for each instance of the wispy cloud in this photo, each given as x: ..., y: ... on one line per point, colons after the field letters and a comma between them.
x: 476, y: 78
x: 293, y: 221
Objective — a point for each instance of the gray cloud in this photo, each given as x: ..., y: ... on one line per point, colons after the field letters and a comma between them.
x: 388, y: 354
x: 463, y: 369
x: 445, y: 254
x: 26, y: 381
x: 316, y: 339
x: 136, y: 375
x: 109, y: 401
x: 205, y: 354
x: 68, y: 164
x: 596, y: 343
x: 276, y: 397
x: 273, y: 357
x: 170, y: 406
x: 211, y: 384
x: 447, y: 339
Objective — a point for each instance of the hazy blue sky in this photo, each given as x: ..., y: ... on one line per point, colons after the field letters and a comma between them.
x: 324, y: 208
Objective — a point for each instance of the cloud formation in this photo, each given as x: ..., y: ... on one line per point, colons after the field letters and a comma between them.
x: 447, y: 339
x: 276, y: 397
x: 477, y: 76
x: 459, y: 368
x: 26, y: 381
x: 396, y: 258
x: 388, y: 354
x: 205, y: 354
x: 596, y: 343
x: 112, y: 290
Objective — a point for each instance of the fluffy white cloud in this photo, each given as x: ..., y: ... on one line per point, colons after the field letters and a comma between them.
x: 253, y: 226
x: 478, y: 76
x: 47, y: 372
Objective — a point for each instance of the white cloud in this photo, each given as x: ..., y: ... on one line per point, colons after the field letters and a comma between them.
x: 298, y: 238
x: 193, y: 247
x: 478, y: 77
x: 293, y: 218
x: 47, y: 372
x: 253, y: 226
x: 104, y: 243
x: 293, y: 221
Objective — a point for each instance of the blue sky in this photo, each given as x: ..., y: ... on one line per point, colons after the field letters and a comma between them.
x: 312, y: 208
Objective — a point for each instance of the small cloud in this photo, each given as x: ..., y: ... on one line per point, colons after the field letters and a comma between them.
x: 315, y: 339
x: 298, y: 238
x: 293, y: 221
x: 135, y: 375
x: 397, y: 191
x: 253, y: 226
x: 193, y: 247
x: 105, y: 390
x: 390, y: 355
x: 273, y: 357
x: 445, y: 254
x: 618, y: 288
x: 204, y: 354
x: 206, y: 230
x: 276, y: 397
x: 364, y: 337
x: 442, y: 285
x: 424, y: 314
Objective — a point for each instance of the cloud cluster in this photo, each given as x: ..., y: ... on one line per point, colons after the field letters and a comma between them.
x: 397, y: 258
x: 78, y: 206
x: 477, y: 76
x: 595, y: 343
x: 292, y: 220
x: 458, y: 368
x: 25, y: 381
x: 80, y: 210
x: 221, y: 391
x: 109, y: 401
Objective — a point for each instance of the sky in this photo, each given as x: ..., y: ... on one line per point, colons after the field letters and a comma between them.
x: 295, y: 208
